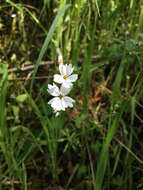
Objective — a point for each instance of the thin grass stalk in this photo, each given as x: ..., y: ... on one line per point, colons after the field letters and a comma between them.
x: 102, y: 163
x: 46, y: 42
x: 140, y: 24
x: 86, y: 67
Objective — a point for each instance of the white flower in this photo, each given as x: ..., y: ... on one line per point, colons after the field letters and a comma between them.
x: 60, y: 59
x: 65, y: 78
x: 60, y: 101
x: 13, y: 15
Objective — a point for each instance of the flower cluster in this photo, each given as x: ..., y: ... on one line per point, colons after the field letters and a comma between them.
x: 61, y: 101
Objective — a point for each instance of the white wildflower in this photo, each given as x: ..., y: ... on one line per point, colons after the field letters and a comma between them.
x: 65, y: 78
x: 13, y: 15
x: 60, y: 101
x: 60, y: 59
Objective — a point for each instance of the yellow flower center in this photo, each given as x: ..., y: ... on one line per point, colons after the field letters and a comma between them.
x: 65, y: 77
x: 60, y: 96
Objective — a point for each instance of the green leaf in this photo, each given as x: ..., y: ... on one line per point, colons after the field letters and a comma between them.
x: 21, y: 98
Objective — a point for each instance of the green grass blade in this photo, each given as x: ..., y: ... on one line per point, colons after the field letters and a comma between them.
x: 133, y: 108
x: 3, y: 93
x: 102, y: 164
x: 86, y: 67
x: 116, y: 87
x: 24, y: 176
x: 46, y: 42
x: 96, y: 3
x: 140, y: 25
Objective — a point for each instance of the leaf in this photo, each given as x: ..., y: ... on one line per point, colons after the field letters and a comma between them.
x: 16, y: 113
x: 21, y: 98
x: 96, y: 3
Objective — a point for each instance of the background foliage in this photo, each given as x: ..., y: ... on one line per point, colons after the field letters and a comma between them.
x: 98, y: 144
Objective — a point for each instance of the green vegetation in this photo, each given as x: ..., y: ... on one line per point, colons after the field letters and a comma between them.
x: 97, y: 145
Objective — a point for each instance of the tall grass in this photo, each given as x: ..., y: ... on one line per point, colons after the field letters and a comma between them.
x: 97, y: 144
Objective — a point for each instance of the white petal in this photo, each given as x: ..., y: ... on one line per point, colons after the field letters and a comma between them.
x: 64, y: 104
x: 51, y: 101
x: 65, y: 69
x: 62, y: 69
x: 64, y: 91
x: 57, y: 114
x: 58, y: 78
x: 57, y: 104
x: 54, y: 85
x: 73, y: 78
x: 50, y: 86
x: 67, y: 84
x: 53, y: 90
x: 69, y: 101
x: 69, y: 69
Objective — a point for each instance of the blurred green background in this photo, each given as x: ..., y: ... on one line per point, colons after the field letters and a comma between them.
x: 97, y: 145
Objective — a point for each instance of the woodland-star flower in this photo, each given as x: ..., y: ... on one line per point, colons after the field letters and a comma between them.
x: 65, y: 78
x: 60, y: 59
x: 60, y: 101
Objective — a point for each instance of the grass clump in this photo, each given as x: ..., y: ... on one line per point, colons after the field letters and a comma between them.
x: 97, y: 144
